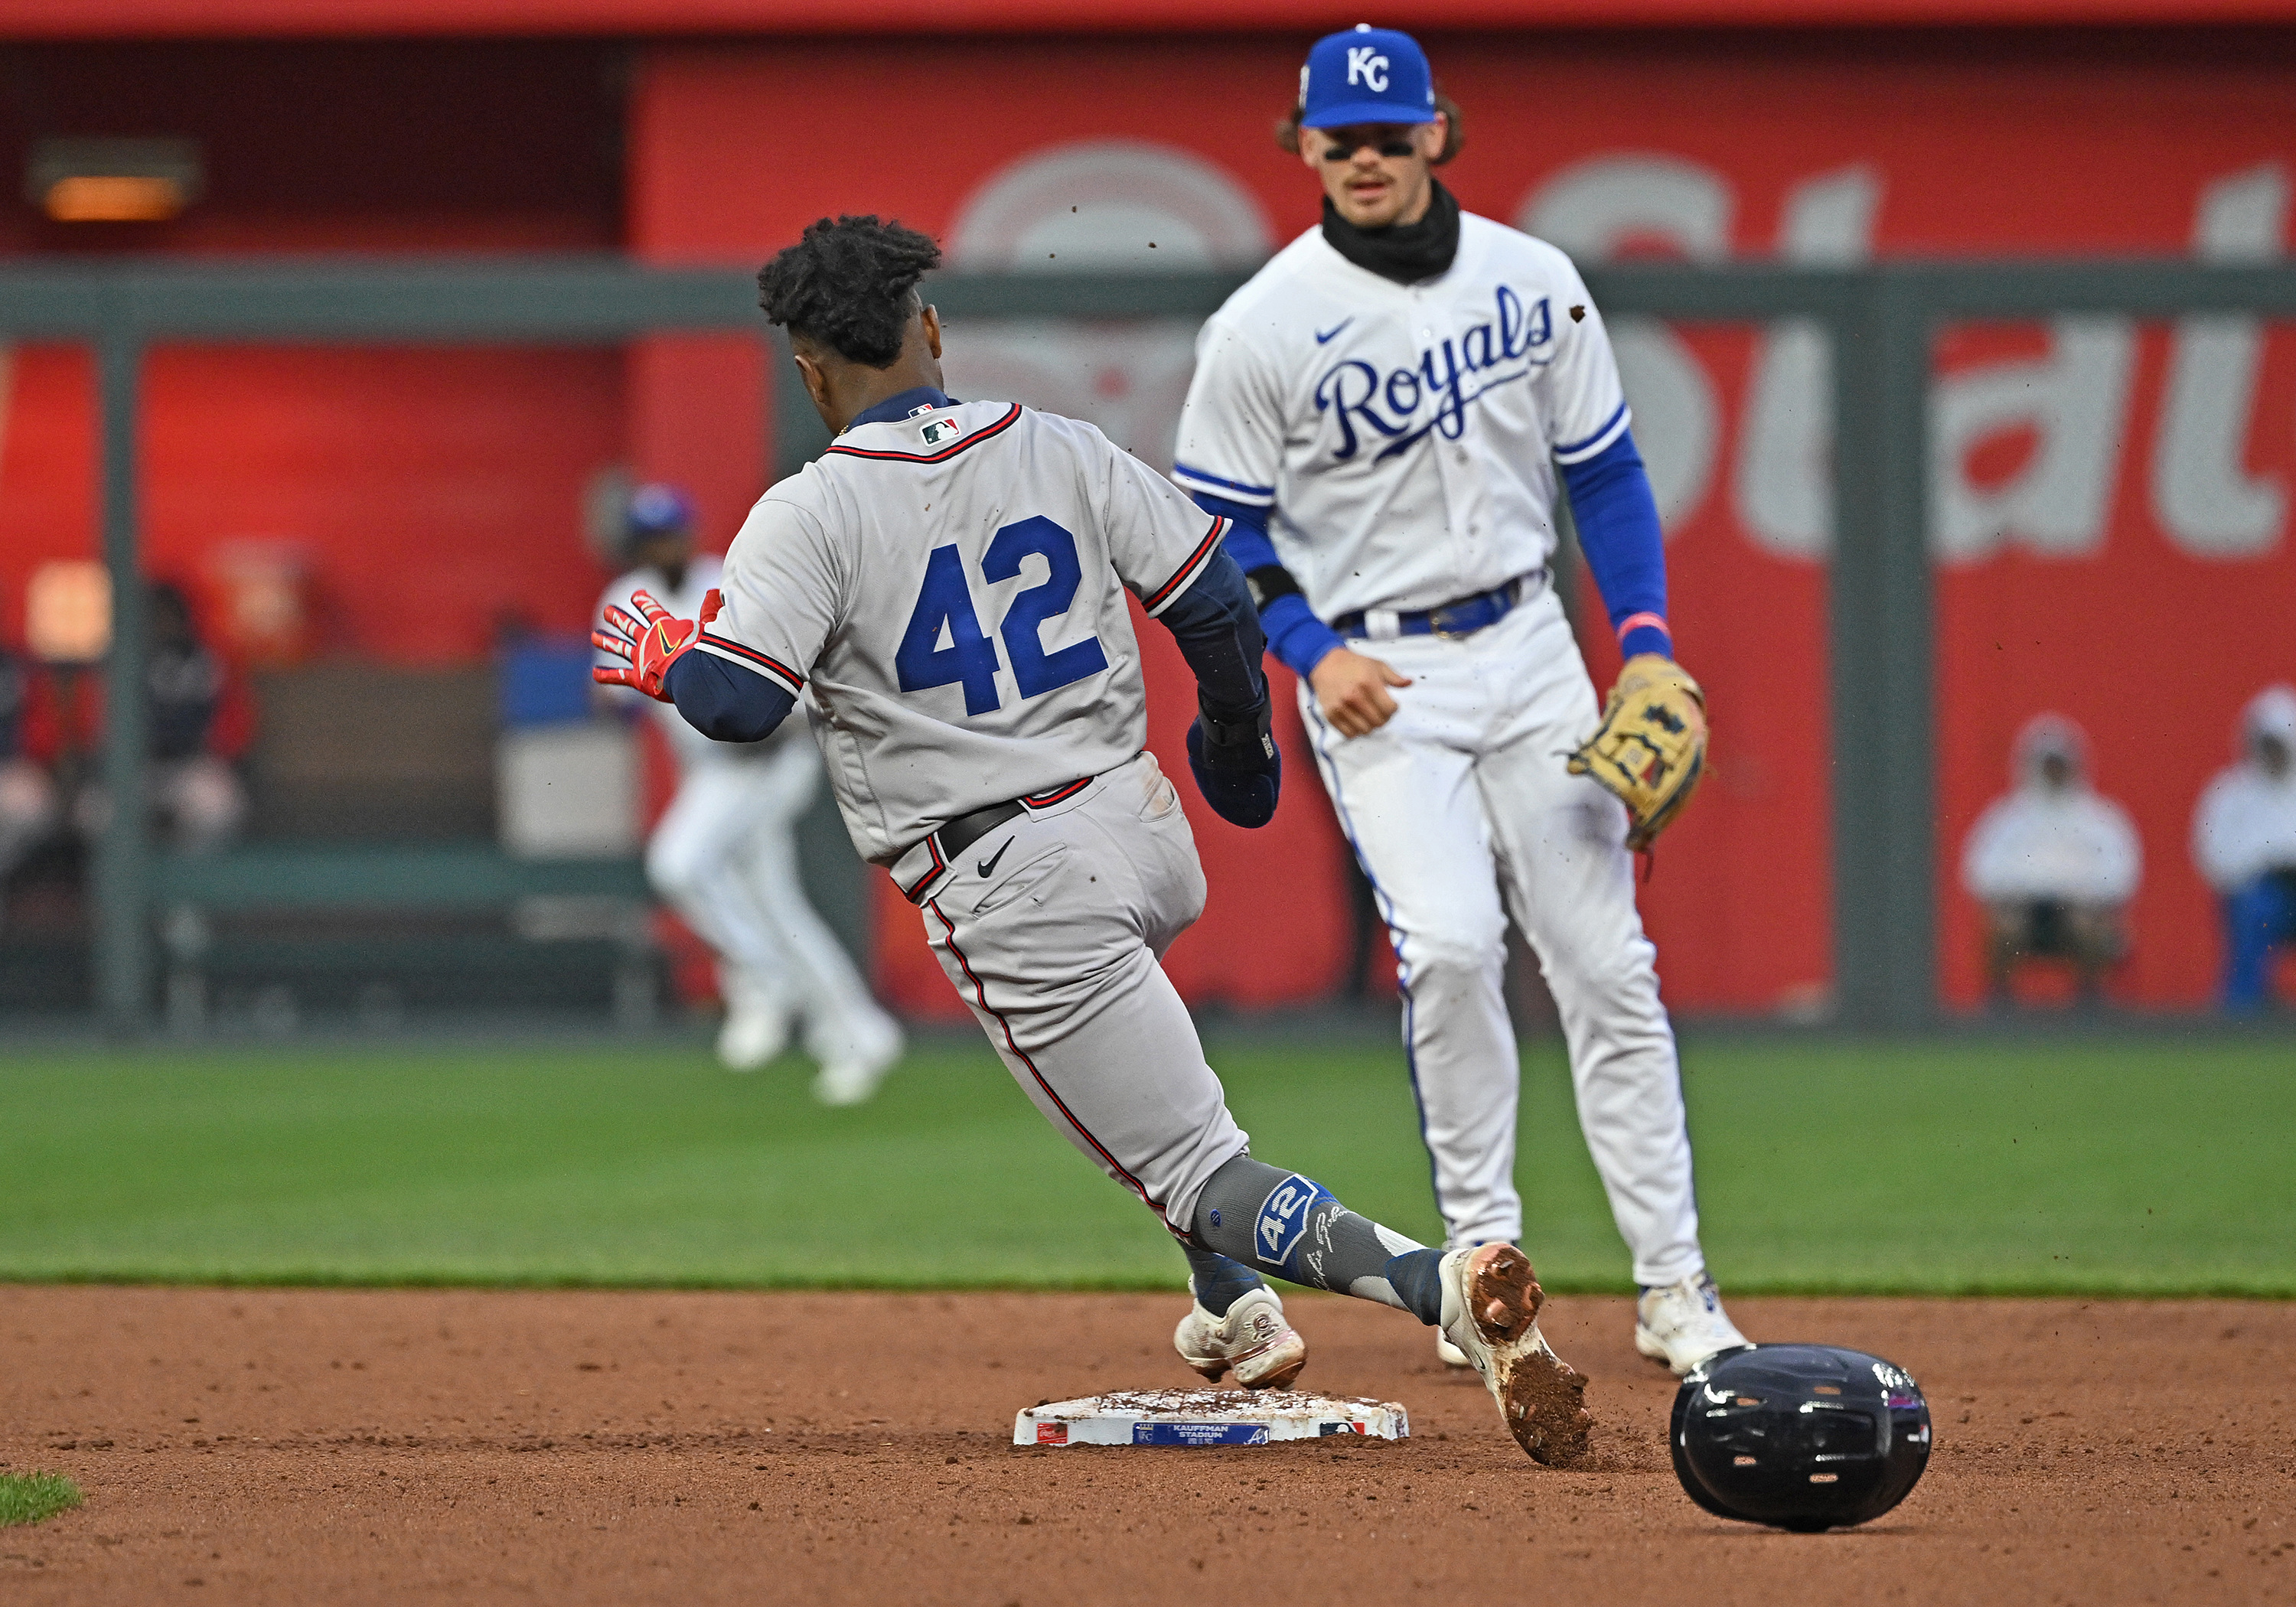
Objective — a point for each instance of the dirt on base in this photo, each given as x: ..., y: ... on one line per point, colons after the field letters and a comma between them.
x: 301, y: 1445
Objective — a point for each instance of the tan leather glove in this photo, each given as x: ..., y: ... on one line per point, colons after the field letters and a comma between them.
x: 1651, y: 748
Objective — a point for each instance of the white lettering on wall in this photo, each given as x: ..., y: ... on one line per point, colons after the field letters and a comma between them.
x: 1784, y: 483
x: 2205, y: 499
x: 1592, y: 209
x: 2076, y: 400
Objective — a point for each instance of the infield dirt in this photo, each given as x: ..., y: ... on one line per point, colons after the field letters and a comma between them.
x: 346, y: 1445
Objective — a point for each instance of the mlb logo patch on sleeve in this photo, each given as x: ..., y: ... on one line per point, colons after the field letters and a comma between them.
x: 939, y: 430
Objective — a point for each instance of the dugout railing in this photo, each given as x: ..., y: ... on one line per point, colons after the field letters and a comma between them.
x: 1882, y: 321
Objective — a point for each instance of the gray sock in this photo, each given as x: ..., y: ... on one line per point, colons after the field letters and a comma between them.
x: 1217, y: 1282
x: 1277, y: 1221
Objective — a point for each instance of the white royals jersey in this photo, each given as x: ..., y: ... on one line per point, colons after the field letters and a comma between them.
x: 946, y: 592
x: 1406, y: 436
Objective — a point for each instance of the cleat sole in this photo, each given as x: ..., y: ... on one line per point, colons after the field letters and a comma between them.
x: 1542, y: 1399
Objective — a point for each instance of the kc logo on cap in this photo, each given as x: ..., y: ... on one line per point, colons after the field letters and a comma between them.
x: 1365, y: 75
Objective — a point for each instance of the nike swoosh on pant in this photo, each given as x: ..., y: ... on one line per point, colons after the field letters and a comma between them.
x: 987, y: 868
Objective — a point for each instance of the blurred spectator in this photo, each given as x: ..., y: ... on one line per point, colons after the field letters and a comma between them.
x: 2245, y: 843
x: 28, y: 798
x: 198, y: 725
x: 2054, y: 863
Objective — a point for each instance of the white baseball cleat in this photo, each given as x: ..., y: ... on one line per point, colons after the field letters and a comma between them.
x: 757, y: 1025
x: 854, y: 1075
x: 1252, y: 1338
x: 1683, y: 1323
x: 1491, y: 1300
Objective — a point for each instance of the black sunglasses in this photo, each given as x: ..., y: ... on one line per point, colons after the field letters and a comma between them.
x: 1344, y: 148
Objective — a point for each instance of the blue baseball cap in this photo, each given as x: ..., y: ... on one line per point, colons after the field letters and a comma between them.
x: 1365, y: 75
x: 657, y: 510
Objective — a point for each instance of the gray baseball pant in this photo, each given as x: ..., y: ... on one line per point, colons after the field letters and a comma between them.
x: 1057, y: 950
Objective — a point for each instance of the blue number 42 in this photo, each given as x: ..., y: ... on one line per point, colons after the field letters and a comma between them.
x: 945, y: 609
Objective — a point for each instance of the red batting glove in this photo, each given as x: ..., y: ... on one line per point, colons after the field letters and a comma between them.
x: 651, y: 646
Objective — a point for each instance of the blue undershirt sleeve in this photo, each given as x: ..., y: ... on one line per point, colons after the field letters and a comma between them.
x: 1219, y: 636
x: 1298, y: 639
x: 724, y: 701
x: 1617, y: 517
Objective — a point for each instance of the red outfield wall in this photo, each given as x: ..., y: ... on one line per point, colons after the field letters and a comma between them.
x: 434, y: 491
x: 2113, y: 541
x: 2102, y: 552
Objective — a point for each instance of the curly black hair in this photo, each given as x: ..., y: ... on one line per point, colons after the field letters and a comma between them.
x: 849, y: 285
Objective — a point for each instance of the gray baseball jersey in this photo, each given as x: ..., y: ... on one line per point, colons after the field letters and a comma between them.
x: 945, y: 592
x: 1406, y: 435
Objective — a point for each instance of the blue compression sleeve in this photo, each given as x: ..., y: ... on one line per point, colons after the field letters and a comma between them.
x: 1298, y: 639
x: 1219, y: 636
x: 726, y: 703
x: 1617, y: 516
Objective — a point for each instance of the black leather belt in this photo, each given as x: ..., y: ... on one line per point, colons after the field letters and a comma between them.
x: 966, y: 830
x: 940, y: 849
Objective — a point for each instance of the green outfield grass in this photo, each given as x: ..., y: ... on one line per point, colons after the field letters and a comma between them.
x: 35, y: 1497
x: 2130, y: 1167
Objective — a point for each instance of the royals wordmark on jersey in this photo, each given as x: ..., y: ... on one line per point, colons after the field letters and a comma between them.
x: 945, y: 592
x: 1405, y: 435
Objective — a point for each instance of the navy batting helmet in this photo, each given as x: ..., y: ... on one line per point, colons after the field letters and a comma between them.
x: 1804, y: 1437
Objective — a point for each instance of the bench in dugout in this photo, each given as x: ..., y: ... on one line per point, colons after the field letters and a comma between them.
x: 377, y: 924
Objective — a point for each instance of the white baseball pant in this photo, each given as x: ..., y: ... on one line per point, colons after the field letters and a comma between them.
x: 725, y: 857
x: 1461, y: 800
x: 1057, y: 950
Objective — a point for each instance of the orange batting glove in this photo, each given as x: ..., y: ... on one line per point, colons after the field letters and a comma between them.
x: 649, y: 648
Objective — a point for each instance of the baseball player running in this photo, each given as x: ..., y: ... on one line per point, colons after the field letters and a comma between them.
x: 945, y: 589
x: 1383, y: 413
x: 725, y: 854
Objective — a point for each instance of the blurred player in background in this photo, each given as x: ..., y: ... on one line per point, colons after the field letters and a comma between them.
x: 2054, y: 863
x: 27, y: 796
x: 201, y: 725
x: 725, y: 854
x: 2245, y: 843
x: 1388, y: 413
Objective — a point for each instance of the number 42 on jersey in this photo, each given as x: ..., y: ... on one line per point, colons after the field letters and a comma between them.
x: 944, y: 614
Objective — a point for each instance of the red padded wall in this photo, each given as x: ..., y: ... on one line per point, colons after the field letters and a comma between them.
x: 437, y: 492
x: 1831, y: 148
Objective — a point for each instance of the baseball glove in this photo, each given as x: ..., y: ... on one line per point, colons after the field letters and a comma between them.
x: 1651, y: 749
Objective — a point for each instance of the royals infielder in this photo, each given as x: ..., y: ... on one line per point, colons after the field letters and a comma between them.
x: 1384, y: 413
x: 723, y: 855
x: 946, y: 588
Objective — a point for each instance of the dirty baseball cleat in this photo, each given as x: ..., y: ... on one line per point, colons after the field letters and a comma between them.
x: 1253, y: 1339
x: 1491, y: 1299
x: 1683, y: 1323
